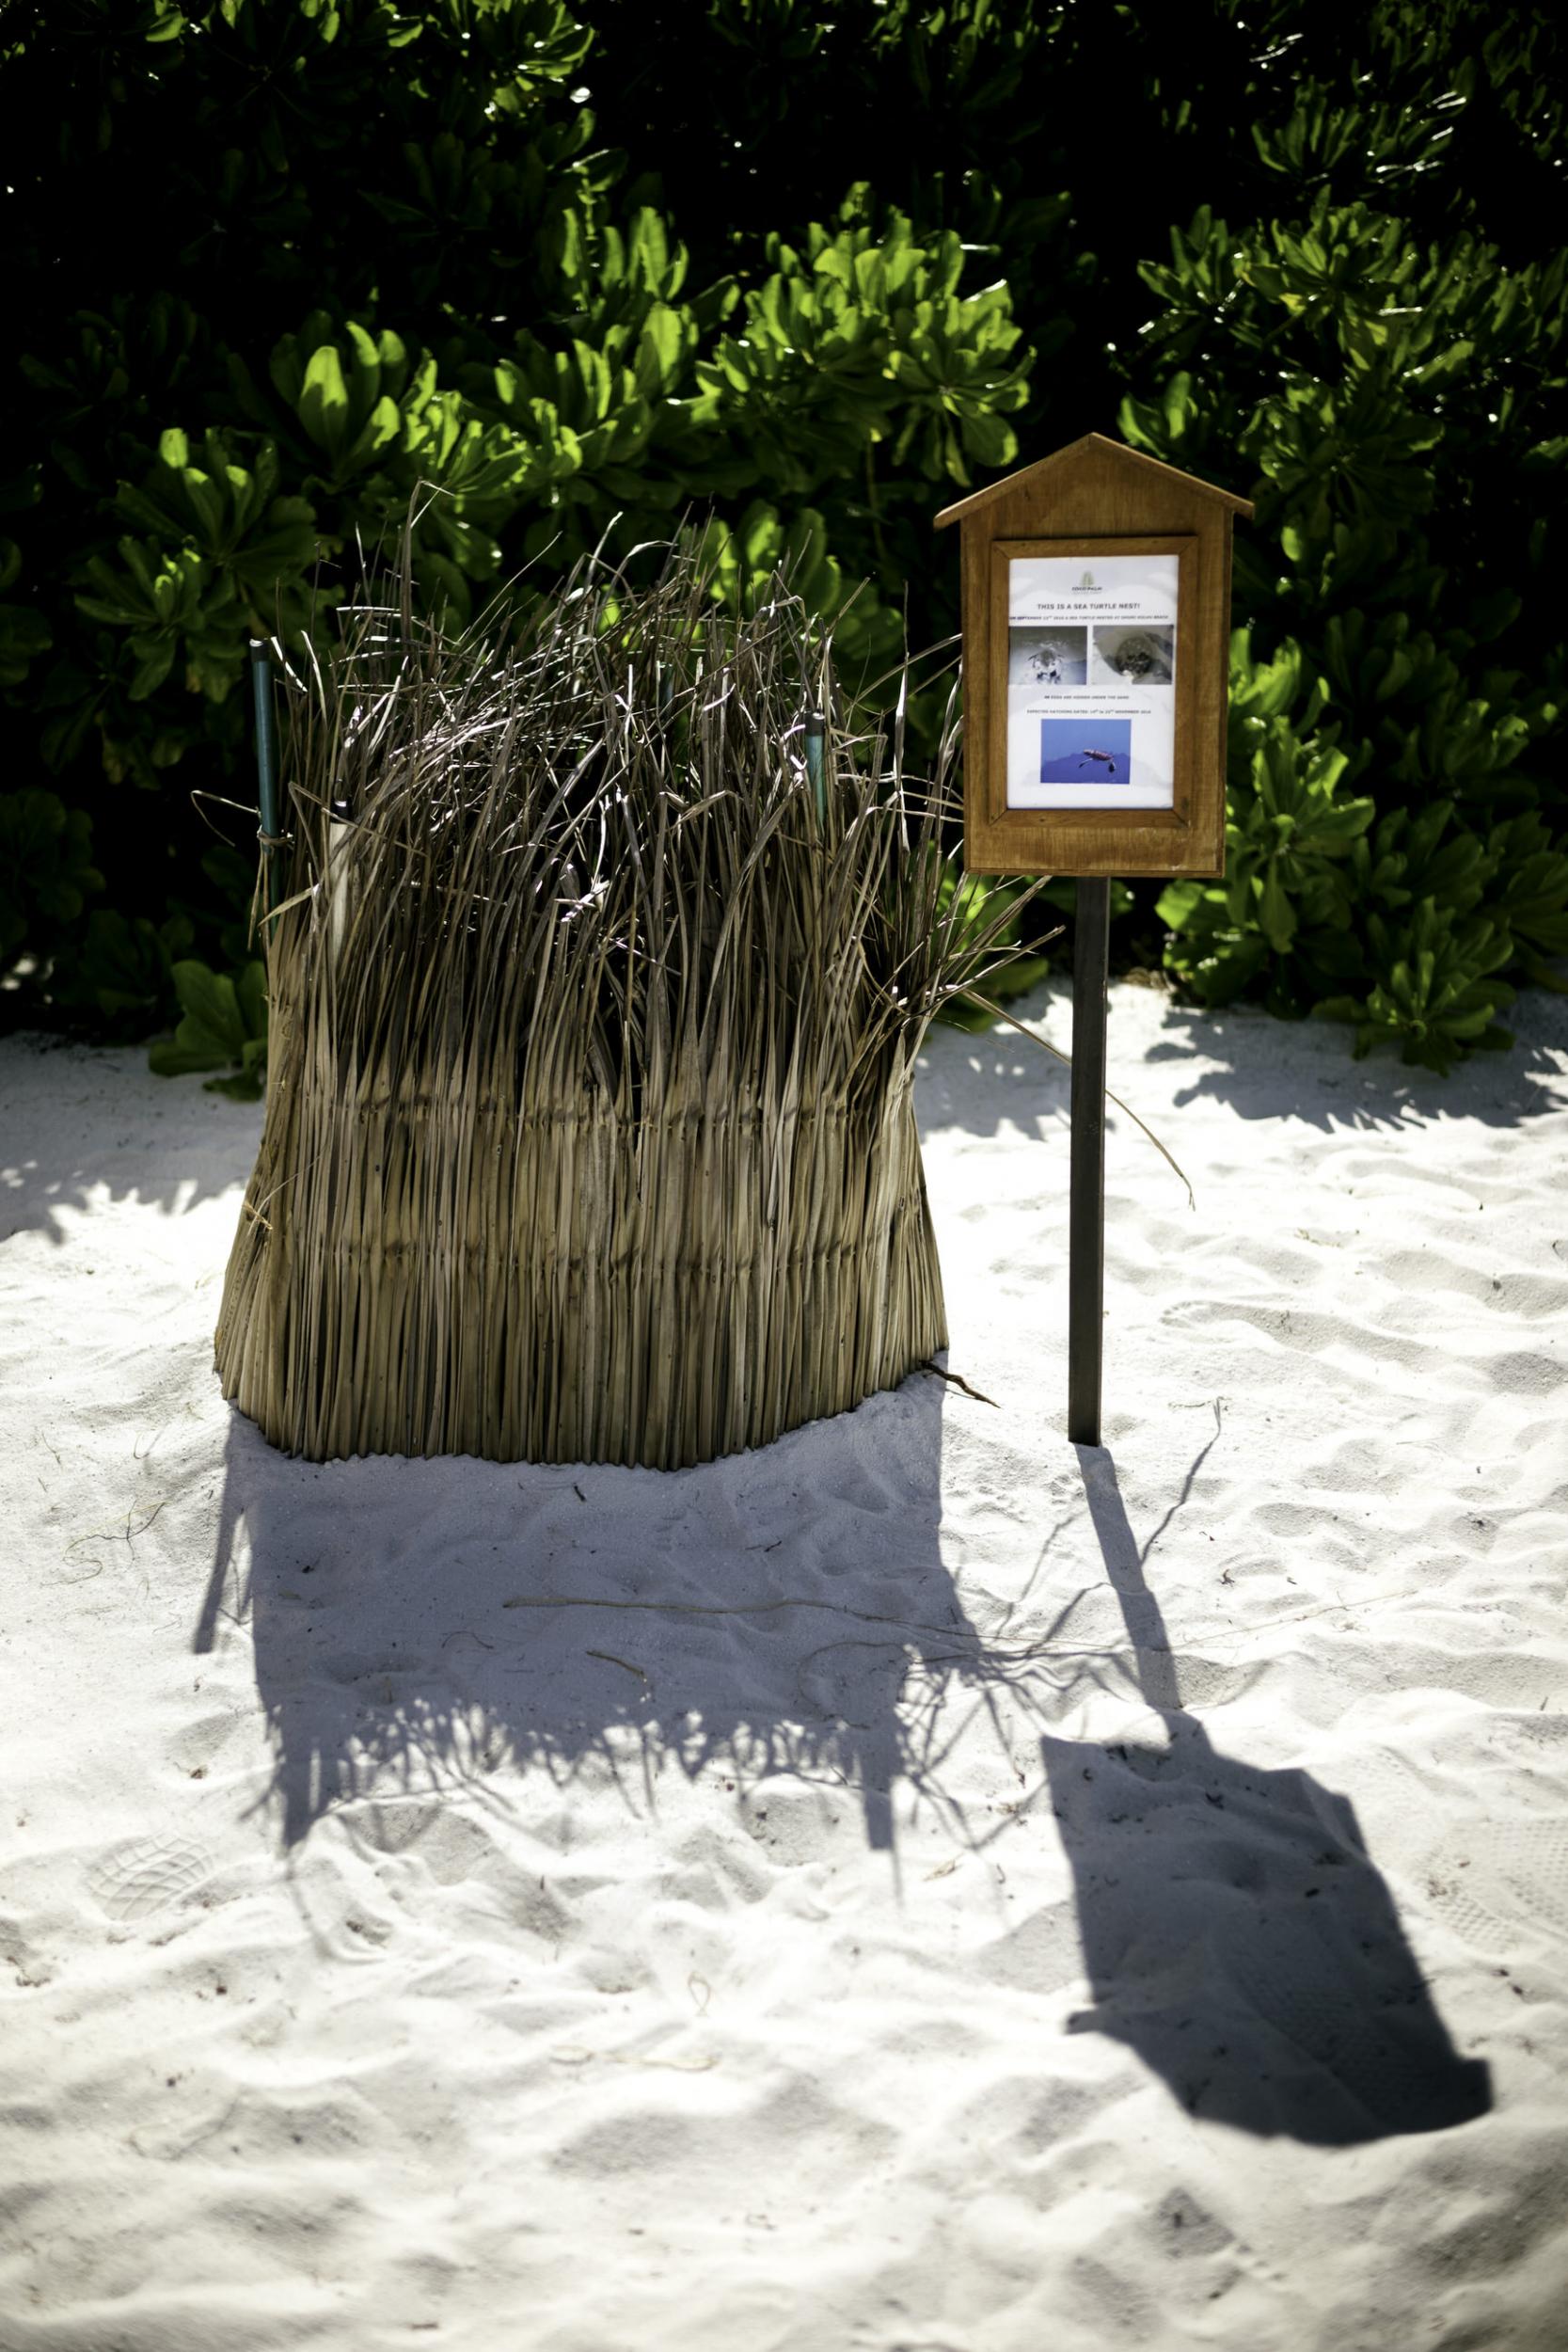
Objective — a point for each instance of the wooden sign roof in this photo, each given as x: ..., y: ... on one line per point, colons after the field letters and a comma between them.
x: 1102, y: 447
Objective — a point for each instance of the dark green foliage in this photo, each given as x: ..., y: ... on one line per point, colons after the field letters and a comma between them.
x: 565, y: 274
x: 46, y: 870
x: 1392, y: 378
x: 1433, y: 994
x: 284, y: 267
x: 223, y: 1023
x: 979, y: 903
x: 23, y: 632
x: 121, y: 977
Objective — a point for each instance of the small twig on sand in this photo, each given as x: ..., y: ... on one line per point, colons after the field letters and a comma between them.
x: 959, y: 1381
x: 611, y: 1659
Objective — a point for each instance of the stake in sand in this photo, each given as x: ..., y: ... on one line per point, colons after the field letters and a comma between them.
x: 589, y: 1130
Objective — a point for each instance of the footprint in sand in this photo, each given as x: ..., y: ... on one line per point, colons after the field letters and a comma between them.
x: 28, y: 1965
x: 1488, y: 1881
x: 145, y: 1874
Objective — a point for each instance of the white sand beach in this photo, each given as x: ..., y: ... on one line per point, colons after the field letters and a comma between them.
x: 919, y: 1887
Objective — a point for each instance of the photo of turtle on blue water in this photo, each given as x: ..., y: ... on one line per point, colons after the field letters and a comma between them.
x: 1140, y: 655
x: 1086, y: 751
x: 1056, y: 656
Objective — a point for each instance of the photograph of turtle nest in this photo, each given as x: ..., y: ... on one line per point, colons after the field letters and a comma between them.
x: 594, y: 999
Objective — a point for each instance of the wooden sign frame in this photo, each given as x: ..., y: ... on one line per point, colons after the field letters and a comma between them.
x: 1095, y: 499
x: 1098, y: 498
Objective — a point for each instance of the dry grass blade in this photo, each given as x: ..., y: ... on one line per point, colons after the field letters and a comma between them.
x: 590, y: 1131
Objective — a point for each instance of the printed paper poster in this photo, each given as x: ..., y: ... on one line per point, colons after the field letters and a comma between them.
x: 1092, y: 681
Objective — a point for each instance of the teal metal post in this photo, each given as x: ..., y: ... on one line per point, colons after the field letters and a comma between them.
x: 817, y: 729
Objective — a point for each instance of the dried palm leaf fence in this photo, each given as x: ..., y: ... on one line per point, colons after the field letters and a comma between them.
x: 589, y: 1131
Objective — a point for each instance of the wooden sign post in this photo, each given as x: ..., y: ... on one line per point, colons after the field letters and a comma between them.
x: 1096, y: 643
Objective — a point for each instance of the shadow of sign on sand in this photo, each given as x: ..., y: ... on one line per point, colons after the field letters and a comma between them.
x: 1236, y: 1932
x: 782, y: 1624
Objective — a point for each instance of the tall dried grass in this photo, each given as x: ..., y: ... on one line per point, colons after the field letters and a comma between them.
x: 589, y: 1130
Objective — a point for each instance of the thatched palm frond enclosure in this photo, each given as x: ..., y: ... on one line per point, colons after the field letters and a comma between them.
x: 589, y: 1130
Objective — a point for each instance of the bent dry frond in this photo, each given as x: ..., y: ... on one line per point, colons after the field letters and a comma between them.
x: 590, y: 1131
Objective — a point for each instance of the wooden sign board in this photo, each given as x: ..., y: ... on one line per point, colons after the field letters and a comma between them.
x: 1095, y: 645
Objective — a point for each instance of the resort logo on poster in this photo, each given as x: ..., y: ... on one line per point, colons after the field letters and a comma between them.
x: 1091, y: 682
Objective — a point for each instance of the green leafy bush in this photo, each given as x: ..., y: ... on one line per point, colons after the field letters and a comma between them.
x: 376, y: 265
x: 46, y: 870
x: 1392, y: 383
x: 979, y: 904
x: 122, y: 977
x: 223, y: 1026
x: 282, y: 267
x: 23, y: 632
